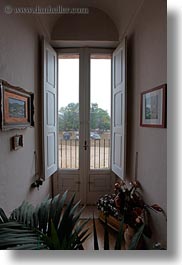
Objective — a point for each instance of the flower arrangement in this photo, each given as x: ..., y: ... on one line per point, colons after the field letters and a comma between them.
x: 127, y: 203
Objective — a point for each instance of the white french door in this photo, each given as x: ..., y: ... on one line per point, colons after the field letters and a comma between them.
x: 85, y: 155
x: 99, y: 178
x: 119, y: 110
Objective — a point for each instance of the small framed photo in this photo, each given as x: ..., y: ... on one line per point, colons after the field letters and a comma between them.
x: 153, y: 107
x: 17, y: 142
x: 16, y: 107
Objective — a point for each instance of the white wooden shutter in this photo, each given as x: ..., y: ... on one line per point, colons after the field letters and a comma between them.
x: 119, y: 109
x: 49, y: 109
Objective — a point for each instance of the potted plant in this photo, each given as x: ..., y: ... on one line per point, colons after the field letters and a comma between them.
x: 127, y: 204
x: 51, y: 225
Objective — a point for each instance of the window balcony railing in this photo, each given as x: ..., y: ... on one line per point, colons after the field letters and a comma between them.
x: 99, y: 154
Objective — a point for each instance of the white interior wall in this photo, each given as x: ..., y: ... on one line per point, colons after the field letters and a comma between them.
x: 19, y: 66
x: 147, y: 68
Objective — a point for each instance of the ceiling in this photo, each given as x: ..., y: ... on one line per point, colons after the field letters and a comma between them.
x: 120, y: 11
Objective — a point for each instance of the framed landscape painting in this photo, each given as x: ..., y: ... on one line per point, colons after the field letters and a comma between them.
x: 153, y: 107
x: 16, y: 107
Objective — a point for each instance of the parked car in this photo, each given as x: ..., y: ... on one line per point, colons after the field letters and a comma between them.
x: 77, y: 136
x: 95, y: 136
x: 66, y: 136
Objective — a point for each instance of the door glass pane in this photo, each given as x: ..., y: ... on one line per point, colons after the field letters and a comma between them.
x: 68, y: 111
x: 100, y: 111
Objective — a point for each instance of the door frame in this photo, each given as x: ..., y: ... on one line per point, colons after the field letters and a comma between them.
x: 84, y: 172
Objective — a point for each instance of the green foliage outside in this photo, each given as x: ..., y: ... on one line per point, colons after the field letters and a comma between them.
x: 69, y: 118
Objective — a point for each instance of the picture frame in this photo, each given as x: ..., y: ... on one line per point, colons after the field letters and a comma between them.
x: 16, y: 142
x: 16, y: 107
x: 153, y: 107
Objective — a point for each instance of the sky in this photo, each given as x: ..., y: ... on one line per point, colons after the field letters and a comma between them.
x: 100, y: 82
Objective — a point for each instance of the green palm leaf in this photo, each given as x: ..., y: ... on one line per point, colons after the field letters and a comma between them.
x: 96, y: 245
x: 119, y: 238
x: 106, y: 235
x: 48, y: 226
x: 3, y: 217
x: 136, y: 238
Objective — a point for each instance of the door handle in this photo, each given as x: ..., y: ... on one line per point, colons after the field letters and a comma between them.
x: 85, y: 145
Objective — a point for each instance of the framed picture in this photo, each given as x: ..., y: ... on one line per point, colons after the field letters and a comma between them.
x: 153, y: 107
x: 17, y: 142
x: 16, y: 107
